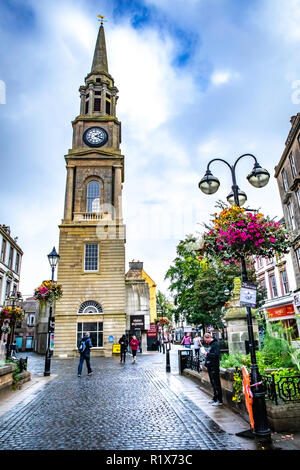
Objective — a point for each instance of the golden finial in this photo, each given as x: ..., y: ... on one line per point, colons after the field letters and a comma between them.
x: 101, y: 18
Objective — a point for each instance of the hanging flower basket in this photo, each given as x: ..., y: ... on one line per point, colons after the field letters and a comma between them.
x: 12, y: 313
x: 163, y: 321
x: 236, y: 232
x: 48, y: 290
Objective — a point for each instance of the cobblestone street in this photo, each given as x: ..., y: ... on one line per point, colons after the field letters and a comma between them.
x: 131, y: 406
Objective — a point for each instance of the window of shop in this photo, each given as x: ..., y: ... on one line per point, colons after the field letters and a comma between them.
x: 284, y: 282
x: 273, y: 285
x: 260, y: 262
x: 290, y: 328
x: 3, y: 250
x: 284, y: 180
x: 290, y: 209
x: 263, y: 286
x: 292, y: 163
x: 95, y: 329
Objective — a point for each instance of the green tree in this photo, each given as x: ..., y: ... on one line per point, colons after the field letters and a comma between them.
x: 201, y: 287
x: 164, y: 306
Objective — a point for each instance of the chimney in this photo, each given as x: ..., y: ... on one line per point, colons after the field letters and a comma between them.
x: 136, y: 265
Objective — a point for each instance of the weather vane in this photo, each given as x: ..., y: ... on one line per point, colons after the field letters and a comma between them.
x: 101, y: 18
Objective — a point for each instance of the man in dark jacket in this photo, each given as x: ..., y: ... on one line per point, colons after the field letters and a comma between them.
x: 124, y: 344
x: 85, y: 354
x: 212, y: 363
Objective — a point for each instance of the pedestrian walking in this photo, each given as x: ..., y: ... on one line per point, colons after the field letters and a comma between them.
x: 134, y: 345
x: 196, y: 345
x: 212, y: 363
x: 14, y: 349
x: 186, y: 341
x: 84, y: 349
x: 123, y: 341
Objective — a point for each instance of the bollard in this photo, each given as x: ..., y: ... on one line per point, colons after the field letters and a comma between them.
x: 168, y: 365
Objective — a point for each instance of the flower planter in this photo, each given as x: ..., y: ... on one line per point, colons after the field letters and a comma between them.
x: 236, y: 233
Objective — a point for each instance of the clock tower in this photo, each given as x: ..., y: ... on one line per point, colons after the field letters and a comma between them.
x: 92, y: 235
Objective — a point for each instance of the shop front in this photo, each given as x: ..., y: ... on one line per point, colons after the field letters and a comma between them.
x: 285, y: 314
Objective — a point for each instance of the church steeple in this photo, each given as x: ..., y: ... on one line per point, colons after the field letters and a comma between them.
x: 100, y: 56
x: 99, y: 94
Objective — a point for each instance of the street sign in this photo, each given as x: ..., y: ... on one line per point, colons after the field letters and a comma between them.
x: 110, y: 339
x: 248, y: 295
x: 51, y: 341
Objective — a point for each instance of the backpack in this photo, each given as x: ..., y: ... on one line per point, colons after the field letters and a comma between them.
x: 82, y: 347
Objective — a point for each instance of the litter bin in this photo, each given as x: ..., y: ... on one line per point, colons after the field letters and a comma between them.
x: 183, y: 355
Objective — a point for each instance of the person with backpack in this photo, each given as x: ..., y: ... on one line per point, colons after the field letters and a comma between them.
x: 134, y: 345
x: 84, y: 350
x: 124, y: 344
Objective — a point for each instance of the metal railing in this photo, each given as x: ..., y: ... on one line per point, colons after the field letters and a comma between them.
x: 194, y: 363
x: 283, y: 389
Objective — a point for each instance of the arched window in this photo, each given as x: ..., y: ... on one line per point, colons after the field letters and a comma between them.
x: 90, y: 306
x: 93, y: 197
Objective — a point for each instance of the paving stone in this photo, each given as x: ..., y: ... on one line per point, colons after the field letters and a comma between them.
x: 118, y: 407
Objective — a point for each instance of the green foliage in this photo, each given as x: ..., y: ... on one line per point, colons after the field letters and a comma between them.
x: 235, y: 360
x: 165, y: 307
x: 201, y: 288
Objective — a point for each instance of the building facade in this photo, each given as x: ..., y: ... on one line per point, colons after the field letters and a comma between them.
x: 25, y: 333
x: 137, y: 304
x: 287, y: 173
x: 276, y: 276
x: 10, y: 263
x: 92, y: 234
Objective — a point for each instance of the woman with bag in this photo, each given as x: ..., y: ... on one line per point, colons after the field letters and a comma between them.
x: 134, y: 345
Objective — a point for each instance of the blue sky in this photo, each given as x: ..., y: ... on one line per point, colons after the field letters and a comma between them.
x: 197, y: 79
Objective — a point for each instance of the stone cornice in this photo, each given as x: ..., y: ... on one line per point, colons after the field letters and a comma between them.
x: 291, y: 136
x: 90, y: 153
x: 11, y: 240
x: 92, y: 118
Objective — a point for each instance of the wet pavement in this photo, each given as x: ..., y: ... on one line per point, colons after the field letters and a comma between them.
x: 120, y: 406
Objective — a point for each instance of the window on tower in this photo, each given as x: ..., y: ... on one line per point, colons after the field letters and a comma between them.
x: 97, y: 104
x: 107, y: 104
x: 93, y: 197
x: 91, y: 257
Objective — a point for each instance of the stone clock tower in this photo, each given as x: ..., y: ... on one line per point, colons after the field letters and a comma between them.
x: 92, y: 235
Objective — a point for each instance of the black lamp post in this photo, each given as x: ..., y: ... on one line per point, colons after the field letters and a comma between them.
x: 53, y: 258
x: 14, y: 299
x: 209, y: 184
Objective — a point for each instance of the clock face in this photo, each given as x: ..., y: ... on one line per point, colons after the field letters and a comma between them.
x: 95, y: 137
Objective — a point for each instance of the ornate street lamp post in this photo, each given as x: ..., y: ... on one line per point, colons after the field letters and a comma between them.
x: 53, y: 258
x: 209, y: 184
x: 14, y: 299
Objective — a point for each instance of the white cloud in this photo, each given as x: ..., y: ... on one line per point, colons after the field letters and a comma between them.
x: 281, y: 18
x: 221, y: 77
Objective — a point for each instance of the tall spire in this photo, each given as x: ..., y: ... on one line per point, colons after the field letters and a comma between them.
x: 100, y: 56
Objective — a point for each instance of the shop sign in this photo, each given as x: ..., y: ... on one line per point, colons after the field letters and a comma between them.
x: 283, y: 311
x: 151, y: 333
x: 137, y: 322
